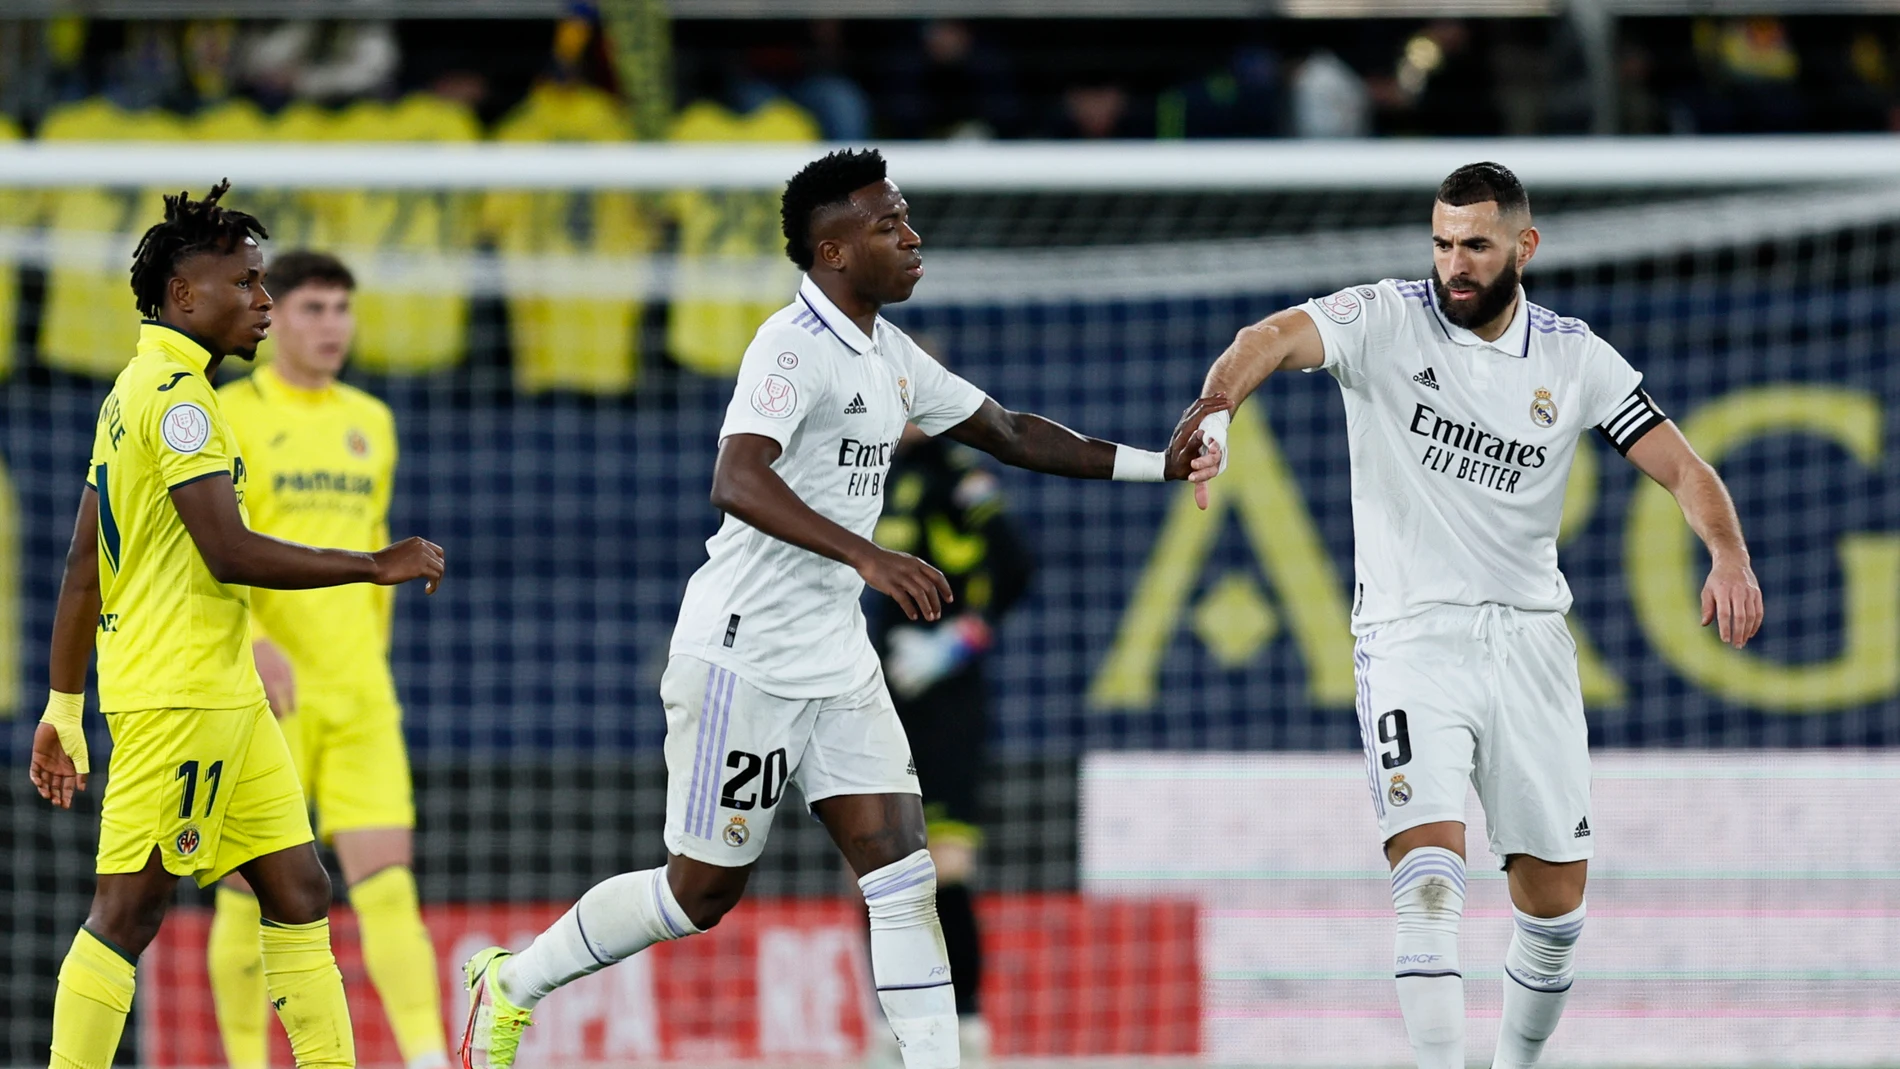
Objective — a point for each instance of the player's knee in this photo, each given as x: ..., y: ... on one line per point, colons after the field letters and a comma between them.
x: 706, y: 906
x: 304, y: 899
x: 705, y: 893
x: 129, y: 926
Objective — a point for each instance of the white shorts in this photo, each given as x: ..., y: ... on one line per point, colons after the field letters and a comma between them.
x: 1487, y: 696
x: 731, y: 748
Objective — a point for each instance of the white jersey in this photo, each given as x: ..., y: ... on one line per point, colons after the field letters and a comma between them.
x: 785, y: 619
x: 1461, y: 448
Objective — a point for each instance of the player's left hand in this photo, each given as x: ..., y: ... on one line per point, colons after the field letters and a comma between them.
x: 1732, y: 599
x: 1185, y: 446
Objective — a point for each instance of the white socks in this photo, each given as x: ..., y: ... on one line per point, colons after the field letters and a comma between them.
x: 616, y: 919
x: 1537, y: 973
x: 1428, y: 892
x: 909, y: 962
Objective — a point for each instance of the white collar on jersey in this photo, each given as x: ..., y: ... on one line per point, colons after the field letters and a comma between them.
x: 834, y: 320
x: 1515, y: 341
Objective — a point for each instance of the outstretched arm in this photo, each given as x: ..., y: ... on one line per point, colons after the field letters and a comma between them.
x: 745, y: 485
x: 1731, y: 597
x: 1026, y: 440
x: 1285, y: 340
x: 60, y: 762
x: 237, y: 554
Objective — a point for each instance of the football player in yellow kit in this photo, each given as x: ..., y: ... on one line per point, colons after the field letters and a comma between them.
x: 322, y: 457
x: 158, y: 580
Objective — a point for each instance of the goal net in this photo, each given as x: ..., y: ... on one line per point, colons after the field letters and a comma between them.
x: 1177, y: 864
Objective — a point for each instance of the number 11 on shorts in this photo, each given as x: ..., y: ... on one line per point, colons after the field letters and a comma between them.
x: 189, y: 773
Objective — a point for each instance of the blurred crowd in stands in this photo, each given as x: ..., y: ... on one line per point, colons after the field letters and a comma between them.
x: 861, y: 79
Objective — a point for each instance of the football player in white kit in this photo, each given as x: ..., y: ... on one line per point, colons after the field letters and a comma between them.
x: 772, y: 678
x: 1464, y: 402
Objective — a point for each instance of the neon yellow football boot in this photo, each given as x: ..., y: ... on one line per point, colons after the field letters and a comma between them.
x: 494, y: 1023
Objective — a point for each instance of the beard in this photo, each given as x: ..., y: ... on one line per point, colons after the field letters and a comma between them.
x: 1490, y: 302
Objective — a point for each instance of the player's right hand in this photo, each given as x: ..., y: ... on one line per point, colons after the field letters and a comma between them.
x: 280, y: 680
x: 918, y: 589
x: 60, y: 759
x: 411, y: 558
x: 1204, y: 468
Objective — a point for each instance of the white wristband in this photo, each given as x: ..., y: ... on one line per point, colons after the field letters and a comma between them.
x: 1214, y: 432
x: 1139, y: 465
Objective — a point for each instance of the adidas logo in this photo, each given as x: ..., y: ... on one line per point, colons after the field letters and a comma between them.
x: 1583, y: 829
x: 856, y: 407
x: 1426, y: 378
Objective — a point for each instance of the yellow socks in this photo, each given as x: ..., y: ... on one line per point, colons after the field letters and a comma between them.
x: 401, y: 962
x: 304, y: 985
x: 95, y: 994
x: 396, y: 952
x: 236, y: 963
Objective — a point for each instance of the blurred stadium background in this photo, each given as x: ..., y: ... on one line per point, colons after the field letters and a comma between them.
x: 564, y: 221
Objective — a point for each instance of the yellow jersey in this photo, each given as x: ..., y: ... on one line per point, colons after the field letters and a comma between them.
x: 322, y: 465
x: 170, y: 635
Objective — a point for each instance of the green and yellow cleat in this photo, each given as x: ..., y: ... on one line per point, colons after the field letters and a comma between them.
x: 494, y: 1023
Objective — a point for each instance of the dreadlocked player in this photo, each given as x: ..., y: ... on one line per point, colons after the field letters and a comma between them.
x: 158, y: 580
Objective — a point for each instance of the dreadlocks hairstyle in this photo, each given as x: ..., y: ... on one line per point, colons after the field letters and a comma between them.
x: 190, y: 227
x: 823, y: 183
x: 1475, y: 183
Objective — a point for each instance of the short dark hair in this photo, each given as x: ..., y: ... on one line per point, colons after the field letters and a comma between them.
x: 304, y: 267
x: 824, y: 182
x: 1475, y: 183
x: 190, y: 227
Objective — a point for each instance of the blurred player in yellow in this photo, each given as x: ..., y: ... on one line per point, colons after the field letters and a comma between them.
x: 158, y: 580
x: 322, y: 457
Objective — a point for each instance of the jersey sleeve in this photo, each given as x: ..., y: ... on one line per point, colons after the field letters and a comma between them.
x: 1621, y: 410
x: 938, y: 400
x: 1353, y: 323
x: 778, y: 384
x: 184, y: 429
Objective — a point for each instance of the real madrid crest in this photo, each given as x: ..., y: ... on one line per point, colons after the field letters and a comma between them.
x: 736, y: 832
x: 903, y: 393
x: 1400, y: 792
x: 1543, y: 409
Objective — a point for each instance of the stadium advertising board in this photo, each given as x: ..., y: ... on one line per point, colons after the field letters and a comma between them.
x: 1741, y: 906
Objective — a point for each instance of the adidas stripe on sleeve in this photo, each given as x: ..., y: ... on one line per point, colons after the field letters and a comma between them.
x: 1635, y: 417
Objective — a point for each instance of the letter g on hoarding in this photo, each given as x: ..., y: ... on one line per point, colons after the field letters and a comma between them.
x: 1665, y: 586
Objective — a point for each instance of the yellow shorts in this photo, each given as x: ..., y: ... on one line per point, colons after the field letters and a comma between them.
x: 352, y: 760
x: 211, y: 788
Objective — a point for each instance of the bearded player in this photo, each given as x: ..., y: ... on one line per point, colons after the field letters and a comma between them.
x: 158, y: 580
x: 772, y: 678
x: 1464, y: 402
